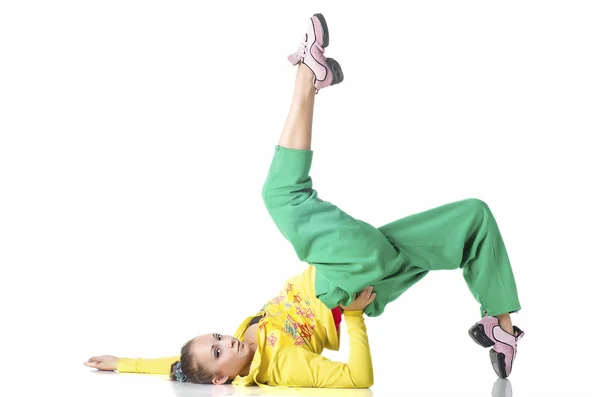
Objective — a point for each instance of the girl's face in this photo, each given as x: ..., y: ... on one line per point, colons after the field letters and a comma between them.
x: 223, y: 355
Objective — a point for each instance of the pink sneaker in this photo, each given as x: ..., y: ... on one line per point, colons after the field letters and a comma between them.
x: 327, y: 71
x: 486, y: 333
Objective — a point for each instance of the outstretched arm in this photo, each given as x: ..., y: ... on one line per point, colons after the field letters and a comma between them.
x: 147, y: 365
x: 160, y: 366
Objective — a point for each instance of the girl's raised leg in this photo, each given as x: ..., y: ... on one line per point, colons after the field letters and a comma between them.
x: 297, y: 132
x: 348, y: 254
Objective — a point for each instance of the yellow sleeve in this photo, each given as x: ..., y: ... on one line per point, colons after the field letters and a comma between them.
x: 297, y: 367
x: 146, y: 366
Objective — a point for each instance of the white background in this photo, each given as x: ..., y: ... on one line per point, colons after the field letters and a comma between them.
x: 136, y: 137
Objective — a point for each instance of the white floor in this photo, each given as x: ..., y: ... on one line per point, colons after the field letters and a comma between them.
x: 113, y: 384
x: 92, y: 383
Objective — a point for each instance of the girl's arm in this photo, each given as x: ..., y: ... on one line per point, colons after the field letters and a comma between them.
x: 147, y: 365
x: 139, y: 365
x: 302, y: 368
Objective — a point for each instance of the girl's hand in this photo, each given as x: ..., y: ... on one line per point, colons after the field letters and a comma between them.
x: 103, y: 363
x: 361, y: 301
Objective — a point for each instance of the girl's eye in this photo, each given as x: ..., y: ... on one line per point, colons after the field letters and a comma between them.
x: 219, y: 336
x: 218, y: 353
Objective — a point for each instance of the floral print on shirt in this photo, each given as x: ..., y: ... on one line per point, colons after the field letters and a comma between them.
x: 290, y: 318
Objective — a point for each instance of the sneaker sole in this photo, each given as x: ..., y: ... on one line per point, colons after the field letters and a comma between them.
x: 338, y: 75
x: 477, y: 333
x: 325, y: 37
x: 499, y: 363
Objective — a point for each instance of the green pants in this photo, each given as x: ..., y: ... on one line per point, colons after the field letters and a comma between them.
x: 350, y: 254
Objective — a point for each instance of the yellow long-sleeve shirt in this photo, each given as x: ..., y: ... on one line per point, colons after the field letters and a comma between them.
x: 291, y: 336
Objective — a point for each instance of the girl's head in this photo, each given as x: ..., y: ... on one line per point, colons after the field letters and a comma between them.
x: 211, y: 358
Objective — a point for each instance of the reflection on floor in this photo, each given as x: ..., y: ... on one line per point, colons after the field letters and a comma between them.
x: 114, y: 384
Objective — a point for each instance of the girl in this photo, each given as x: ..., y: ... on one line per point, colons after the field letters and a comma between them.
x: 282, y: 343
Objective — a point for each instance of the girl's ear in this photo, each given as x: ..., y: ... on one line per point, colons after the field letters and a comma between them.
x: 220, y: 381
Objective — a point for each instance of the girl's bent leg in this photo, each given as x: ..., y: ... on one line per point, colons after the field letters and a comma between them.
x: 461, y: 235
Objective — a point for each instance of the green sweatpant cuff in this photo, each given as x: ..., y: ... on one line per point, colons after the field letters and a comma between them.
x: 292, y: 162
x: 498, y: 311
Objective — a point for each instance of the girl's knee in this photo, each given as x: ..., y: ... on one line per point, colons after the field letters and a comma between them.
x: 477, y: 205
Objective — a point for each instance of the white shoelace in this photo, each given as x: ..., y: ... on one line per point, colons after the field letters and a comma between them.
x: 302, y: 50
